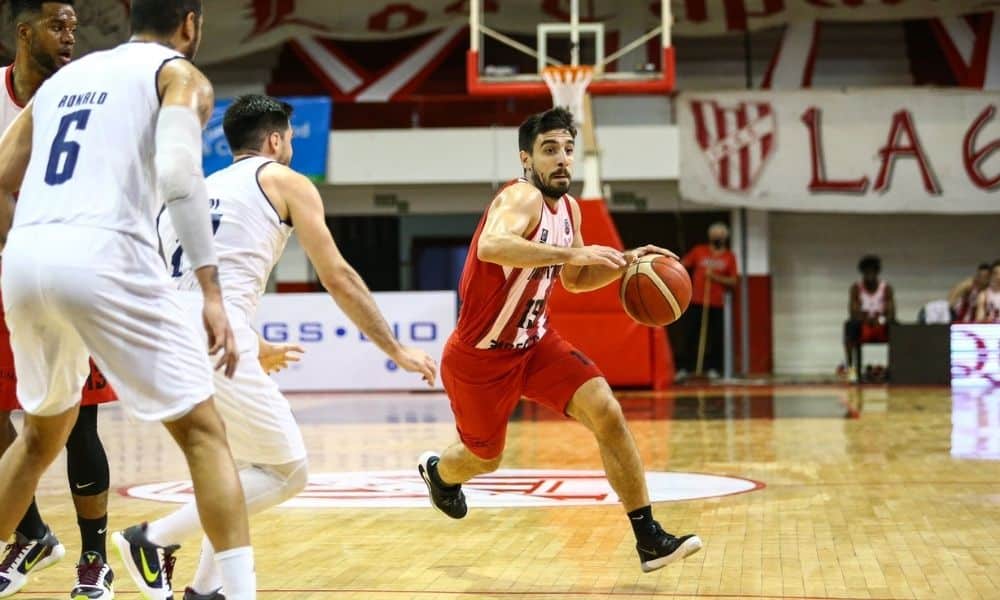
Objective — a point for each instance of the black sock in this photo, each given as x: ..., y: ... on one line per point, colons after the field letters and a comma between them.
x: 642, y: 522
x: 93, y: 534
x: 31, y: 525
x: 436, y: 478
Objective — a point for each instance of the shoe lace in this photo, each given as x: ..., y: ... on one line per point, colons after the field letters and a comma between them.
x: 15, y: 552
x: 89, y: 573
x: 168, y: 568
x: 658, y: 529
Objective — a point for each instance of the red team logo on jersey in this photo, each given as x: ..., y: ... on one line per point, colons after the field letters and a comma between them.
x: 737, y: 140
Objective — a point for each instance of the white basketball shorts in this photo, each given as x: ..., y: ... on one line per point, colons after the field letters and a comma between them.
x: 71, y: 292
x: 259, y: 421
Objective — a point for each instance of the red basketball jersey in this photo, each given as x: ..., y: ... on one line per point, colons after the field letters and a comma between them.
x: 507, y: 307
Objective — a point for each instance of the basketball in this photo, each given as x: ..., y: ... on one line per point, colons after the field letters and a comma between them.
x: 655, y: 290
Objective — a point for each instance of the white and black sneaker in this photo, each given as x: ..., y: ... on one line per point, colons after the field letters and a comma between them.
x: 448, y: 499
x: 26, y: 557
x: 94, y: 579
x: 665, y: 548
x: 150, y: 566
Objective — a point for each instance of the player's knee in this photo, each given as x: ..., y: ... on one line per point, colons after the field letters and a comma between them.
x: 41, y: 448
x: 610, y: 421
x: 596, y: 407
x: 488, y: 465
x: 294, y: 478
x: 201, y: 426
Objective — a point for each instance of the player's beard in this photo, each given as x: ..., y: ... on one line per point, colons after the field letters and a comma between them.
x: 45, y: 61
x: 192, y: 50
x: 550, y: 191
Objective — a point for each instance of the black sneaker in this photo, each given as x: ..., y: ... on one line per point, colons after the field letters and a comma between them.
x: 665, y: 548
x: 150, y: 566
x: 190, y: 594
x: 94, y: 579
x: 449, y: 500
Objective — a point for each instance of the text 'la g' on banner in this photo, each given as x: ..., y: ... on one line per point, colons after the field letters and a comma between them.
x: 879, y: 151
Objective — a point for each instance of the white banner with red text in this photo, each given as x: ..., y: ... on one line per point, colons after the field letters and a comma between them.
x: 878, y: 151
x: 234, y: 28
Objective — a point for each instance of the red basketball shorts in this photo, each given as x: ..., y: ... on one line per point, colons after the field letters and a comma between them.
x: 484, y: 386
x: 874, y: 333
x: 95, y: 391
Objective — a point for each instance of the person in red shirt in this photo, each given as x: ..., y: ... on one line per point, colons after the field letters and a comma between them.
x: 713, y: 265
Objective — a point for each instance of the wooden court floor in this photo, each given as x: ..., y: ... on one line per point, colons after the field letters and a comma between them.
x: 870, y: 493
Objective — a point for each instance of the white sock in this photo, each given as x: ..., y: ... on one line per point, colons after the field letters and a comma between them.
x: 175, y: 527
x: 238, y: 577
x: 206, y: 578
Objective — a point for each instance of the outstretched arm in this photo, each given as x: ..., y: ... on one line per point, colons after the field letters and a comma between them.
x: 348, y: 289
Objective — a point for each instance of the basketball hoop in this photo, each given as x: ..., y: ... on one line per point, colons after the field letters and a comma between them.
x: 568, y: 86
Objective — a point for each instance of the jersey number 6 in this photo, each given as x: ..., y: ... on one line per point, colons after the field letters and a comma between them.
x: 63, y: 155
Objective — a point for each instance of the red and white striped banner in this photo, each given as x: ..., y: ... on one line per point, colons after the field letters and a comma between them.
x: 913, y: 150
x: 794, y: 59
x: 234, y: 28
x: 969, y: 45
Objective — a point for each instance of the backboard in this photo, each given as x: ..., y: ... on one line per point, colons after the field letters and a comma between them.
x: 627, y: 42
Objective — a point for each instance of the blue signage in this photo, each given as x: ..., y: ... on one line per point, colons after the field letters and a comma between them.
x: 310, y: 136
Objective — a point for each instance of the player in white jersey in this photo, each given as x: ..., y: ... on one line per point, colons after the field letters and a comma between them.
x: 105, y: 142
x: 45, y: 38
x: 254, y: 203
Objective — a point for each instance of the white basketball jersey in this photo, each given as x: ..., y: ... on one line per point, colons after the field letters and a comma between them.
x: 872, y: 303
x: 9, y: 108
x: 93, y: 144
x: 249, y: 235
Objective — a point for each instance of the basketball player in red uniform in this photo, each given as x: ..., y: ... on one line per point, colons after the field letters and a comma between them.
x: 871, y: 306
x: 502, y: 348
x: 45, y: 41
x: 964, y: 297
x: 988, y: 302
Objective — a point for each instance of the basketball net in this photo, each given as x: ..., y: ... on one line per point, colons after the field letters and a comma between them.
x: 568, y: 86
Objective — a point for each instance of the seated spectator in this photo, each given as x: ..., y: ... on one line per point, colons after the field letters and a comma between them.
x: 988, y: 302
x: 871, y: 306
x: 963, y: 296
